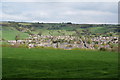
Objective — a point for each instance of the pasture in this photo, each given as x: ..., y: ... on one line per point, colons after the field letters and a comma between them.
x: 57, y: 63
x: 9, y: 33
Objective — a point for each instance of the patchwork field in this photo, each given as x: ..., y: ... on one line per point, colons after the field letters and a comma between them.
x: 56, y: 63
x: 10, y: 30
x: 9, y: 33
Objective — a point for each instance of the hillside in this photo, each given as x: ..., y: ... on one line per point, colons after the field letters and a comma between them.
x: 23, y: 29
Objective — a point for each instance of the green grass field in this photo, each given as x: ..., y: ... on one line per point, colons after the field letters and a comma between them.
x: 56, y: 63
x: 101, y: 29
x: 9, y: 33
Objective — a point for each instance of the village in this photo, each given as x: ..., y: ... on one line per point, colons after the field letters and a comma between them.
x: 67, y: 42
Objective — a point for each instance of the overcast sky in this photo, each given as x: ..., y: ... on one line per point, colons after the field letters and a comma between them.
x: 75, y: 12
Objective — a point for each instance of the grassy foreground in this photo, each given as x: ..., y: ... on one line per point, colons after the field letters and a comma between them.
x: 52, y: 63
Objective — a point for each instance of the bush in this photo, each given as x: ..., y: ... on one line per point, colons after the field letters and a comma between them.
x: 103, y: 49
x: 5, y: 45
x: 15, y: 45
x: 115, y: 49
x: 39, y: 47
x: 96, y: 46
x: 23, y: 46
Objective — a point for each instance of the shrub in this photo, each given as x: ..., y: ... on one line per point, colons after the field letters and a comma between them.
x: 15, y: 45
x: 23, y: 46
x: 102, y: 49
x: 96, y: 46
x: 115, y: 49
x: 5, y: 45
x: 39, y: 47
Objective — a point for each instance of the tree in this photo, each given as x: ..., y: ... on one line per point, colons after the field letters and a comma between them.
x: 102, y: 49
x: 77, y: 32
x: 96, y: 46
x: 40, y: 33
x: 17, y: 37
x: 69, y: 23
x: 89, y: 41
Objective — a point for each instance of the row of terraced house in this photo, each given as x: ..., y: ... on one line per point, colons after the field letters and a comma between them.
x: 67, y: 42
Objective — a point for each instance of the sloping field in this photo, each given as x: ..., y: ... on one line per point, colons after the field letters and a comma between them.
x: 56, y: 63
x: 9, y: 33
x: 101, y: 29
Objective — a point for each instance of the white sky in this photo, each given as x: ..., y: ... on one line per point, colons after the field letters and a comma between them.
x: 60, y: 0
x: 76, y: 12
